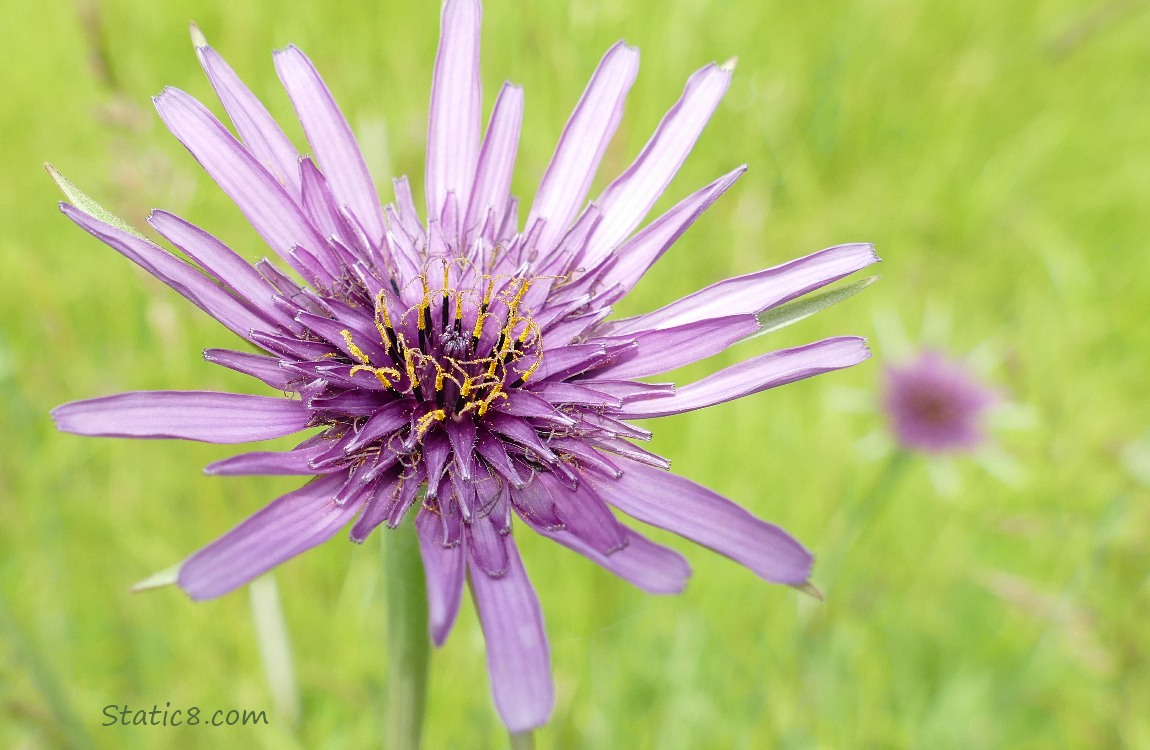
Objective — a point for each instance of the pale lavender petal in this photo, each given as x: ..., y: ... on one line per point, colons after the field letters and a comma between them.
x: 651, y: 567
x: 754, y: 375
x: 259, y: 366
x: 518, y: 656
x: 288, y: 526
x: 692, y: 511
x: 564, y: 187
x: 665, y: 349
x: 758, y: 291
x: 638, y: 254
x: 237, y: 316
x: 492, y: 188
x: 216, y: 258
x: 331, y: 139
x: 186, y: 415
x: 444, y: 569
x: 628, y: 199
x: 317, y: 200
x: 456, y: 99
x: 260, y: 133
x: 262, y: 199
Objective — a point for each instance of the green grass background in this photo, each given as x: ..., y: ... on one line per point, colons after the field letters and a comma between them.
x: 997, y: 153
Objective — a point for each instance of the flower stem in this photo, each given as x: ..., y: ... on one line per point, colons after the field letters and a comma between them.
x: 275, y: 647
x: 523, y: 740
x: 407, y: 639
x: 862, y: 511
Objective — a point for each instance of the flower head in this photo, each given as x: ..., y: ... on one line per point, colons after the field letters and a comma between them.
x: 935, y: 405
x: 462, y: 370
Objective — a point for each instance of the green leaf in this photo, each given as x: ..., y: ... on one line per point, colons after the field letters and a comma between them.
x: 81, y: 201
x: 795, y: 310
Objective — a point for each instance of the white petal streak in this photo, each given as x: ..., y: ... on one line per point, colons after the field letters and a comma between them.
x: 456, y: 99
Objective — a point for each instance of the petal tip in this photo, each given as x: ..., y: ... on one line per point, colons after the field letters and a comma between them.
x: 199, y: 41
x: 808, y: 588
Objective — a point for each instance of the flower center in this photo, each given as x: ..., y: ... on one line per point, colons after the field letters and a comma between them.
x: 461, y: 345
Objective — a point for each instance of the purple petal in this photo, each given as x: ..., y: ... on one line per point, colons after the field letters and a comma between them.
x: 518, y: 657
x: 234, y: 314
x: 758, y: 291
x: 628, y: 199
x: 383, y: 495
x: 492, y: 187
x: 692, y: 511
x: 754, y: 375
x: 585, y: 514
x: 262, y: 199
x: 462, y: 436
x: 187, y: 415
x: 260, y: 133
x: 651, y: 567
x: 331, y: 139
x: 270, y: 463
x: 259, y: 366
x: 221, y: 261
x: 288, y: 526
x: 317, y: 200
x: 668, y: 348
x: 564, y: 187
x: 638, y: 254
x: 456, y: 99
x: 444, y: 569
x: 486, y: 547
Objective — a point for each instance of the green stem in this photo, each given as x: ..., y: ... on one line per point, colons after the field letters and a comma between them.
x: 863, y: 511
x: 407, y: 639
x: 523, y: 740
x: 275, y: 647
x: 64, y: 722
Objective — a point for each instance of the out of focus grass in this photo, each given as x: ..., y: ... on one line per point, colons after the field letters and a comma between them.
x: 997, y: 153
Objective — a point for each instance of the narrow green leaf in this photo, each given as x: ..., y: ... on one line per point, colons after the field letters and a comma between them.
x: 795, y: 310
x: 81, y: 201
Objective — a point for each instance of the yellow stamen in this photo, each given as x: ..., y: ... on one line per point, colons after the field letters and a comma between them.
x: 425, y: 422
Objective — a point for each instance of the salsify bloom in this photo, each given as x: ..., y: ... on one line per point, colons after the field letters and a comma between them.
x: 463, y: 370
x: 936, y: 405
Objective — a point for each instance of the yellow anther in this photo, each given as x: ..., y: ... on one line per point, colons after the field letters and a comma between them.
x: 439, y: 373
x: 352, y: 348
x: 531, y: 370
x: 425, y: 422
x: 486, y: 302
x: 409, y: 365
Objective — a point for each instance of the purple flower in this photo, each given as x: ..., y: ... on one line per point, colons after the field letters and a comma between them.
x: 461, y: 370
x: 935, y: 405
